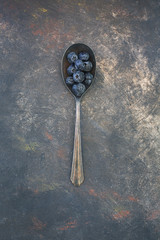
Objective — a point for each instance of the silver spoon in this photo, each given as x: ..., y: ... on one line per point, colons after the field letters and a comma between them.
x: 77, y: 175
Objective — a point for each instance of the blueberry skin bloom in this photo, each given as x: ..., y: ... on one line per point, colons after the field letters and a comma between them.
x: 88, y: 66
x: 69, y: 80
x: 71, y: 69
x: 79, y: 64
x: 88, y: 76
x: 83, y: 56
x: 78, y: 77
x: 72, y: 57
x: 88, y: 82
x: 78, y: 89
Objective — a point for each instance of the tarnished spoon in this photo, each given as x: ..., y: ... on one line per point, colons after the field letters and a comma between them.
x: 77, y: 175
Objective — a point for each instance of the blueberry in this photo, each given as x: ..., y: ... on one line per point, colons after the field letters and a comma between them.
x: 83, y: 56
x: 88, y: 81
x: 69, y: 80
x: 72, y: 57
x: 78, y: 89
x: 88, y: 66
x: 88, y: 76
x: 78, y: 76
x: 79, y: 64
x: 71, y: 69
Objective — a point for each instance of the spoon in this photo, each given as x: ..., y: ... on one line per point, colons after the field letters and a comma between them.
x: 77, y: 175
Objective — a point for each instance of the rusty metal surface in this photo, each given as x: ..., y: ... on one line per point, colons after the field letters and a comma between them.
x: 120, y: 121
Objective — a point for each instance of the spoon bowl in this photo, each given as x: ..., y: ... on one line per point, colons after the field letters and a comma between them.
x: 77, y: 175
x: 77, y: 48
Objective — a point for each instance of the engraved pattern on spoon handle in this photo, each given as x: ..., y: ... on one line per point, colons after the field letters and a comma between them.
x: 77, y: 176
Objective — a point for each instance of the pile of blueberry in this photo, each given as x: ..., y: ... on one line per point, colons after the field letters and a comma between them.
x: 79, y: 77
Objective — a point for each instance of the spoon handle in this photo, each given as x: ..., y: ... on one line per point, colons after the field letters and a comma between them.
x: 77, y: 176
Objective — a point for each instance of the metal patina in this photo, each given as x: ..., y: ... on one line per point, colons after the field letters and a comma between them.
x: 120, y: 121
x: 77, y: 175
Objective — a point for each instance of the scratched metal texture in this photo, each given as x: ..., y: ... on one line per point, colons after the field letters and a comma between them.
x: 120, y: 198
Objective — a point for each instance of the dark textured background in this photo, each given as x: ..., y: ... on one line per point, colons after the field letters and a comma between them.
x: 119, y: 199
